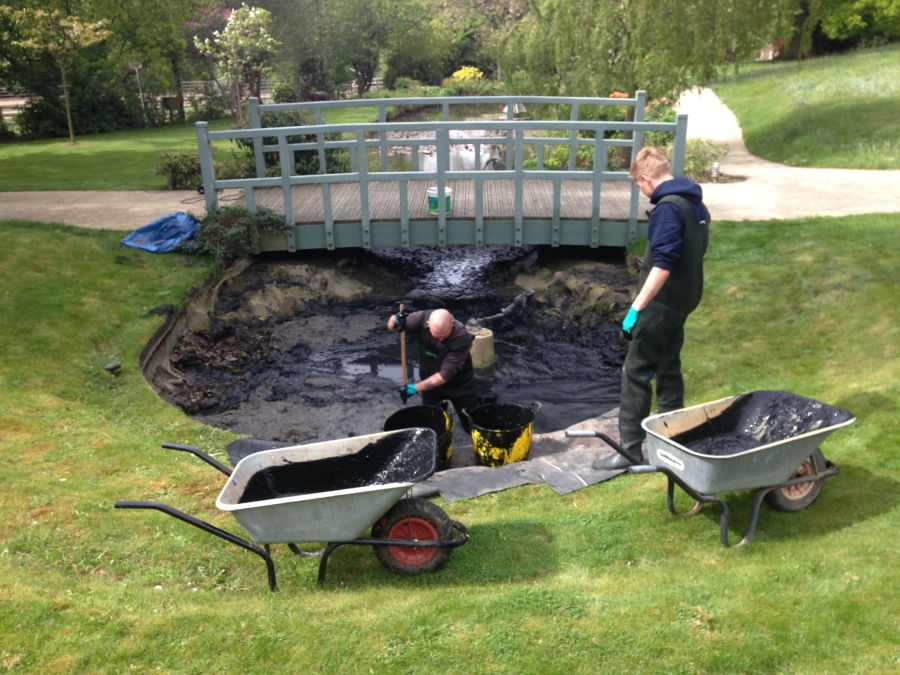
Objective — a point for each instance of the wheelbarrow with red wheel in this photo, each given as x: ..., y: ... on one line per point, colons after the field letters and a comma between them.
x: 334, y: 492
x: 763, y: 440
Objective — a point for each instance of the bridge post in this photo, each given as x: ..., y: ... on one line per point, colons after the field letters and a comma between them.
x: 286, y: 166
x: 207, y: 168
x: 441, y: 157
x: 637, y: 143
x: 520, y: 185
x: 680, y: 145
x: 256, y: 123
x: 363, y: 189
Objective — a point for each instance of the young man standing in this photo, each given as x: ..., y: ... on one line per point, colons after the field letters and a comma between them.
x: 669, y: 289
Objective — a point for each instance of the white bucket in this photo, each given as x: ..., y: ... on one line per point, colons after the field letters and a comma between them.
x: 432, y: 195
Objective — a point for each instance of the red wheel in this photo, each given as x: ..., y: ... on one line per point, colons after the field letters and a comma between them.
x: 412, y: 528
x: 413, y: 519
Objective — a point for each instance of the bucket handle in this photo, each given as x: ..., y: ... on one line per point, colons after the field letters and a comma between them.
x: 447, y: 406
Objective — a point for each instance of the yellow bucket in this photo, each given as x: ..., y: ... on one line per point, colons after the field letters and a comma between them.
x: 440, y: 419
x: 501, y: 432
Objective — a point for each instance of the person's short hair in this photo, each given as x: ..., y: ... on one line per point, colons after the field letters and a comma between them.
x: 650, y: 162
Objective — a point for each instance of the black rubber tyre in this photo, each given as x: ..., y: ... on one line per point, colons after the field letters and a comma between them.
x: 798, y: 497
x: 413, y: 519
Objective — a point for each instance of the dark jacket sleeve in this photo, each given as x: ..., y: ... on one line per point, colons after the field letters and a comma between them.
x: 664, y: 234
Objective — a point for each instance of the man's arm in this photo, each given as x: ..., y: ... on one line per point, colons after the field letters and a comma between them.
x: 654, y: 282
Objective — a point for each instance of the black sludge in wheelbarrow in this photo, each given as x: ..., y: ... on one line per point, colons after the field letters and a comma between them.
x: 757, y: 419
x: 396, y: 458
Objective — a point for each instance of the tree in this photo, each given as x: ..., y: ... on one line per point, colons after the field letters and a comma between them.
x: 861, y: 19
x: 243, y: 49
x: 594, y: 47
x: 61, y: 36
x: 359, y: 33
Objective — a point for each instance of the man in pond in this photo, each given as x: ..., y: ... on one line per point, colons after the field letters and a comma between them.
x: 669, y: 289
x: 445, y: 361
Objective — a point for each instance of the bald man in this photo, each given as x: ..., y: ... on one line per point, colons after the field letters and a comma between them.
x: 445, y: 362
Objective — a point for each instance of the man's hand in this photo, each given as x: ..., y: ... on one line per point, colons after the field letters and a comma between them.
x: 629, y: 321
x: 407, y: 391
x: 400, y: 320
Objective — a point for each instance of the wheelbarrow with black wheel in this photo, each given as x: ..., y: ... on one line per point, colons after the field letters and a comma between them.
x: 334, y: 492
x: 763, y: 440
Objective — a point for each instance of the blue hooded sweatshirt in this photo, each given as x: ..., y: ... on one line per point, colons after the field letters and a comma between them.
x: 666, y: 228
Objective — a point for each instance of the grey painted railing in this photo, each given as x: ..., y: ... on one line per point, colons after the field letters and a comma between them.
x: 358, y: 139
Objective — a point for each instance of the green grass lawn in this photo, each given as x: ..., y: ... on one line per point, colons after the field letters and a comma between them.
x: 837, y: 111
x: 124, y: 160
x: 603, y: 580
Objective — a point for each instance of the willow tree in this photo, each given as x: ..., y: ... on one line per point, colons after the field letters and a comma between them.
x: 60, y: 36
x: 595, y: 47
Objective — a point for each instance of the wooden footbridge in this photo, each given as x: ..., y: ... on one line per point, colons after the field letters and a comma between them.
x: 371, y: 206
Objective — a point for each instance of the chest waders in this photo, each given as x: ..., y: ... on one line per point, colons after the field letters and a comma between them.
x: 655, y: 351
x: 460, y: 390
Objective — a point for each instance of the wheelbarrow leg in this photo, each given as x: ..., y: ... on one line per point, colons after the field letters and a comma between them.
x: 211, y: 529
x: 670, y: 502
x: 323, y: 565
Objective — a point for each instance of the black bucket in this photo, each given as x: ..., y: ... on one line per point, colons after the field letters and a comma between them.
x: 439, y: 419
x: 501, y: 432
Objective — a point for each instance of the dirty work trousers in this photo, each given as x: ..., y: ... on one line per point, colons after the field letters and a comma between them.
x: 654, y: 353
x: 465, y: 402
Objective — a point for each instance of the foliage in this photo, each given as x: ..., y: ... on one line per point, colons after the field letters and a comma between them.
x: 6, y: 133
x: 236, y: 167
x: 60, y: 36
x: 835, y: 112
x: 590, y: 47
x: 210, y: 104
x: 244, y: 49
x: 424, y: 53
x: 305, y: 161
x: 233, y: 231
x: 660, y: 110
x: 859, y: 21
x: 699, y: 155
x: 361, y: 32
x: 473, y: 86
x: 467, y: 73
x: 284, y: 92
x: 181, y: 169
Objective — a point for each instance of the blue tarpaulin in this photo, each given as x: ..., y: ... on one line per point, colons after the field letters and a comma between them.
x: 163, y: 234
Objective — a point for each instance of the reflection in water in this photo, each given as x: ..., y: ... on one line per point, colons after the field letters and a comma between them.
x: 463, y: 156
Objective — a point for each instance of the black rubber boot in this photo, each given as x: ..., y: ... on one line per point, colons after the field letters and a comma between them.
x: 615, y: 462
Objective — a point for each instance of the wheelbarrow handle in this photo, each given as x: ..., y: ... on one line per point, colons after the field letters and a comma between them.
x: 202, y: 455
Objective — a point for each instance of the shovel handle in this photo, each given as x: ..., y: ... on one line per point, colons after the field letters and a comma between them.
x: 403, y: 357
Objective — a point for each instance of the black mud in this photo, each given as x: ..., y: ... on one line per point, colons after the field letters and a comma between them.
x: 757, y: 419
x: 331, y: 370
x: 405, y: 456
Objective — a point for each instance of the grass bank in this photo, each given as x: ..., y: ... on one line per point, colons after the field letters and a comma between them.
x: 836, y: 111
x: 123, y: 160
x: 602, y: 580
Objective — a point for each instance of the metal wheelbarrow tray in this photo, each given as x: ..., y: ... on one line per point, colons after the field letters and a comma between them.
x: 763, y: 440
x: 334, y: 492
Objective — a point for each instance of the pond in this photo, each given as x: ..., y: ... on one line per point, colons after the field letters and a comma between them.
x: 462, y: 156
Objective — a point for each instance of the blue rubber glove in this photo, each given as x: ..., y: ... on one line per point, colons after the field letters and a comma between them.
x: 630, y: 320
x: 408, y: 391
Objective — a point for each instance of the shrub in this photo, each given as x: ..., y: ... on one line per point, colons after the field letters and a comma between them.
x: 233, y: 231
x: 236, y: 167
x: 286, y: 93
x: 305, y: 161
x: 699, y: 156
x: 6, y: 134
x: 181, y: 169
x: 659, y: 111
x: 209, y: 105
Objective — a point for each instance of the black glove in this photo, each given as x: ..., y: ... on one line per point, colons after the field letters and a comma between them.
x: 400, y: 320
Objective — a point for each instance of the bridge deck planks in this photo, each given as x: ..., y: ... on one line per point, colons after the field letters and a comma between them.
x: 498, y: 200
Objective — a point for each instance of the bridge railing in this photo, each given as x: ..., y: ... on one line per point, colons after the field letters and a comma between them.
x: 358, y: 139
